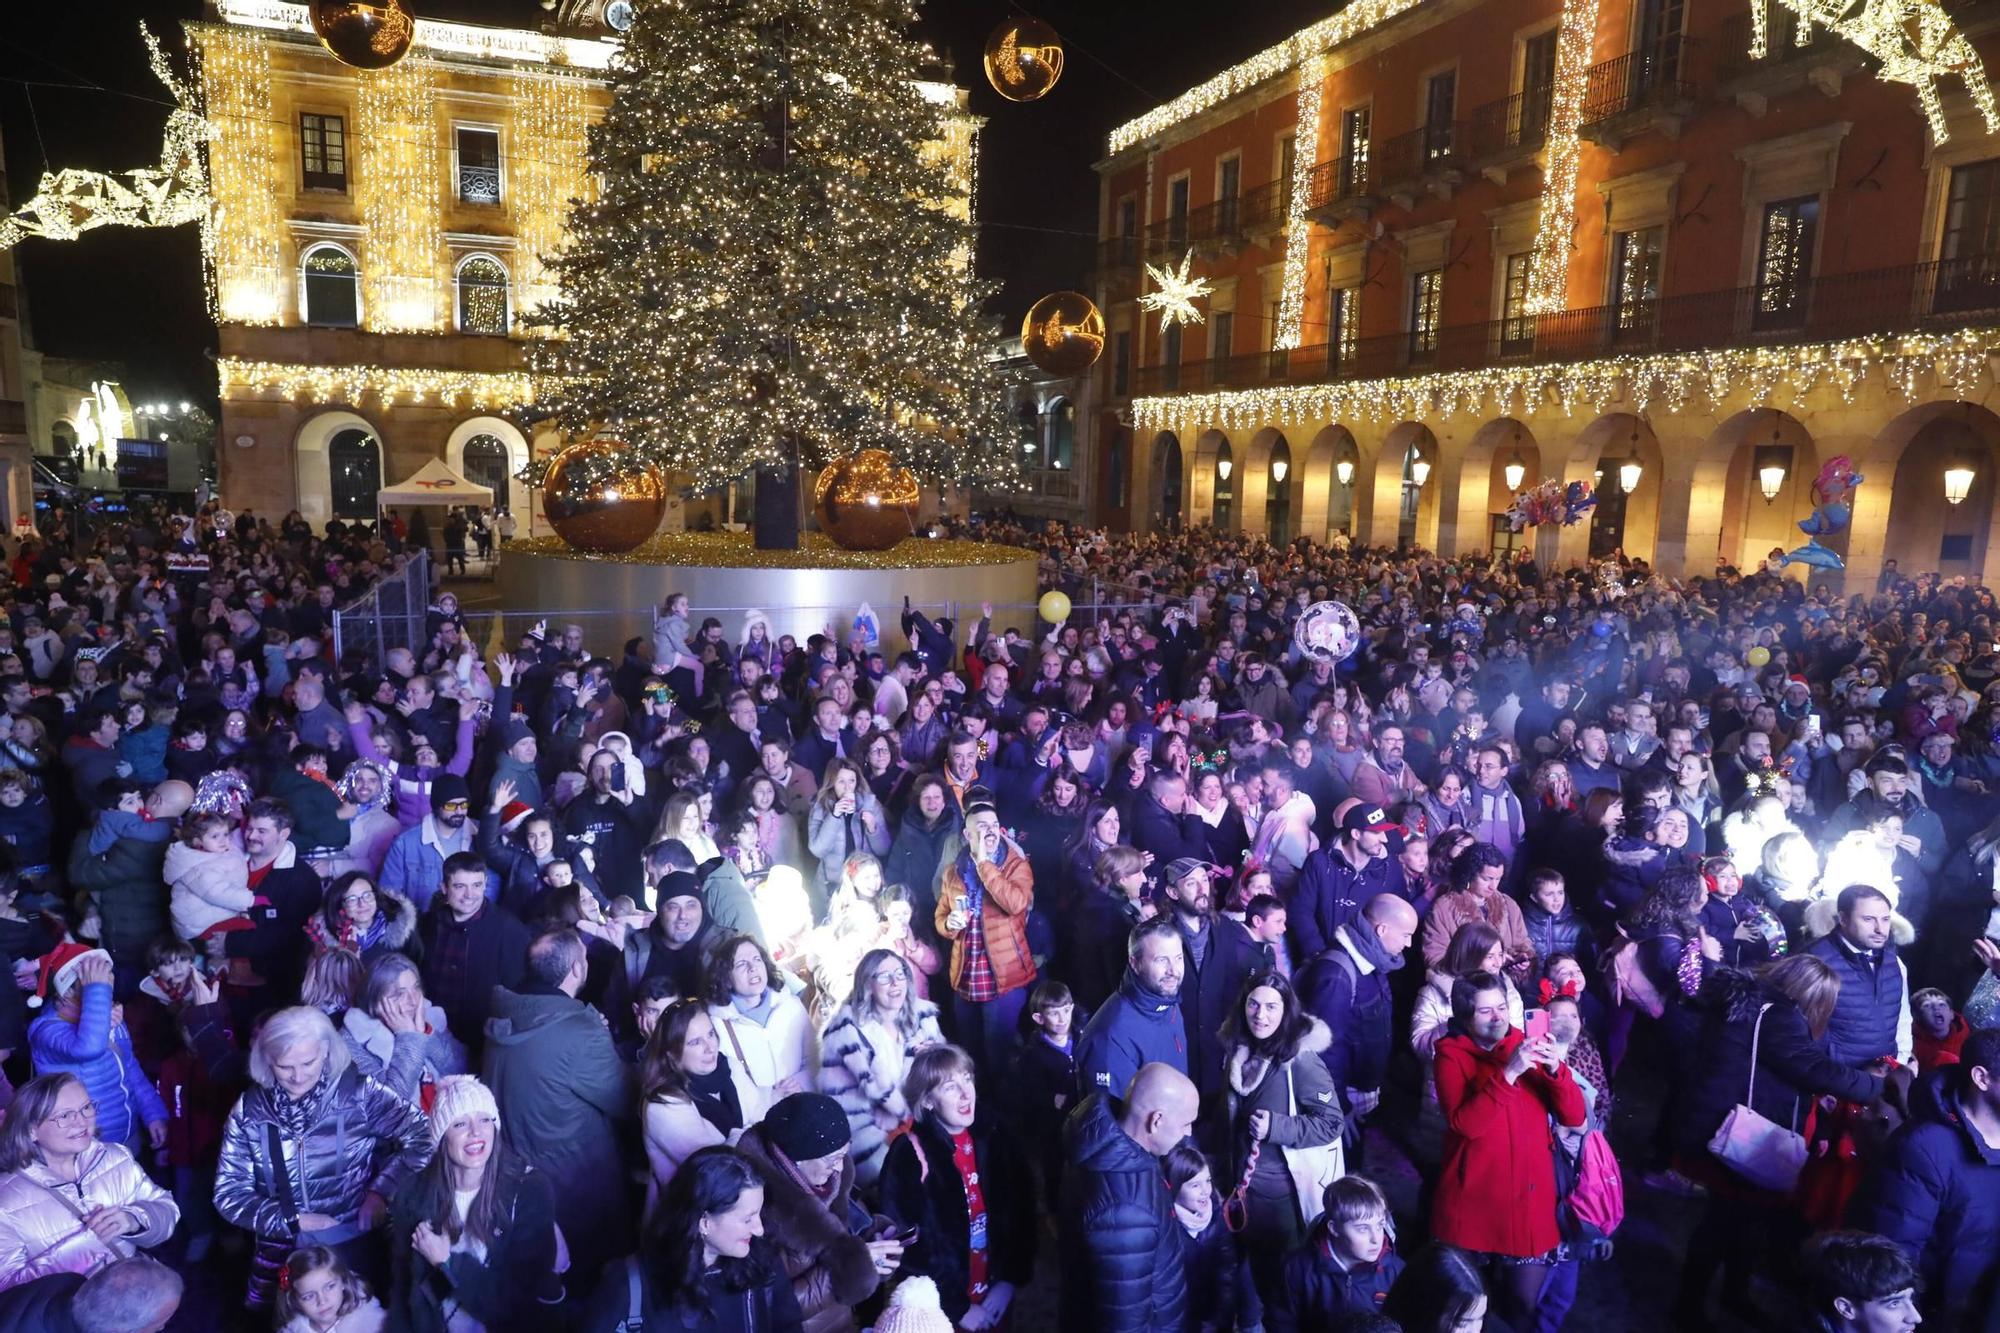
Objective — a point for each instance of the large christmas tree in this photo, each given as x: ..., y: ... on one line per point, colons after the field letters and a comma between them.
x: 772, y: 274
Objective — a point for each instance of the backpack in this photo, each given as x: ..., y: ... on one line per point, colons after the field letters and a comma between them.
x: 1597, y: 1193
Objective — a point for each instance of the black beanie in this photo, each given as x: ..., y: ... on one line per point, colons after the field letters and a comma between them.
x: 806, y: 1126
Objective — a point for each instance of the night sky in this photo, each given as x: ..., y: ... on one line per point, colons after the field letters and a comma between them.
x: 135, y: 296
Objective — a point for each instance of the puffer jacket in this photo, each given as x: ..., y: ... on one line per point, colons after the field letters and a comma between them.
x: 365, y: 1140
x: 124, y: 883
x: 1007, y: 894
x: 208, y: 887
x: 1938, y: 1196
x: 830, y: 1267
x: 42, y: 1231
x: 1318, y: 1293
x: 1122, y: 1269
x: 99, y: 1051
x: 855, y: 1071
x: 1565, y: 933
x: 833, y: 838
x: 1137, y: 1026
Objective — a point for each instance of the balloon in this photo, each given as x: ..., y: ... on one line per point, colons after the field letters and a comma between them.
x: 1024, y: 58
x: 1816, y: 556
x: 1327, y: 631
x: 1054, y: 606
x: 1758, y: 656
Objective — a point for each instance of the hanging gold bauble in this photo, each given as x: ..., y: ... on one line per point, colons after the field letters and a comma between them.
x: 600, y: 496
x: 367, y: 34
x: 1024, y: 58
x: 1063, y: 333
x: 865, y: 502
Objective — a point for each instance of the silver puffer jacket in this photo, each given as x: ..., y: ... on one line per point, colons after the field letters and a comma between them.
x: 365, y: 1140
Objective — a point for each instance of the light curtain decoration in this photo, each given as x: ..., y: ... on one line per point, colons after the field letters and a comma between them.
x: 398, y: 193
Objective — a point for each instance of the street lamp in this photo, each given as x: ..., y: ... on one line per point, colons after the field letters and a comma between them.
x: 1420, y: 470
x: 1279, y: 467
x: 1629, y: 472
x: 1223, y: 467
x: 1958, y: 480
x: 1516, y: 471
x: 1344, y: 470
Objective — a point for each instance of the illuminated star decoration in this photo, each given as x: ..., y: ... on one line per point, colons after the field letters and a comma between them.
x: 1177, y: 293
x: 71, y: 202
x: 1914, y: 41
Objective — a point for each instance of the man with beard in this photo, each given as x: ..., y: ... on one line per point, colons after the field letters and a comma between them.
x: 1142, y: 1024
x: 414, y: 866
x: 613, y: 825
x: 1383, y: 778
x: 1216, y: 964
x: 1337, y: 880
x: 1923, y: 835
x: 1347, y: 987
x: 680, y: 935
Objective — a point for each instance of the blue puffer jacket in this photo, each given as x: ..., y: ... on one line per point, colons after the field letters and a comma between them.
x: 1870, y: 1013
x: 1137, y: 1026
x: 1938, y: 1196
x: 100, y: 1053
x: 1123, y: 1268
x: 1318, y: 1293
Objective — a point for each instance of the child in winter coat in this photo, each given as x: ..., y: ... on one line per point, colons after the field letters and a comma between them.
x: 318, y: 1293
x: 1346, y: 1265
x: 122, y: 816
x: 1044, y: 1081
x: 1209, y: 1253
x: 210, y: 877
x: 26, y: 823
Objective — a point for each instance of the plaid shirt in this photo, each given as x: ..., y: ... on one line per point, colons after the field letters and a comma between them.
x: 444, y: 979
x: 976, y: 981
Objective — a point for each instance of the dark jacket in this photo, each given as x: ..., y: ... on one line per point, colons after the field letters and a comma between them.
x: 921, y: 1188
x: 627, y: 1291
x: 41, y: 1306
x: 1316, y: 1293
x: 564, y: 1096
x: 315, y: 809
x: 1331, y: 891
x: 829, y: 1264
x: 277, y: 945
x: 1167, y: 836
x: 131, y: 896
x: 1355, y: 1005
x: 1040, y: 1091
x: 1210, y: 991
x: 464, y: 961
x: 1937, y: 1194
x: 1122, y: 1246
x: 1869, y: 1010
x: 512, y: 1289
x: 1212, y: 1261
x: 1095, y: 949
x: 1567, y: 933
x: 1792, y: 1067
x: 1135, y: 1027
x: 514, y: 865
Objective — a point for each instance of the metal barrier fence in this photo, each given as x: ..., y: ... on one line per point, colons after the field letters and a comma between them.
x: 389, y: 615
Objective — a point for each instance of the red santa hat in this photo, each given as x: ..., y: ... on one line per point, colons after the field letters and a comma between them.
x: 514, y: 814
x: 56, y: 970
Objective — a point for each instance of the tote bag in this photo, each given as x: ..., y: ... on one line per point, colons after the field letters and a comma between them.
x: 1312, y: 1169
x: 1763, y: 1152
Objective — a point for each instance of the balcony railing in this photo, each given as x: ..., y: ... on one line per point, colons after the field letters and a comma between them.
x: 479, y: 185
x: 1513, y: 124
x: 1657, y: 75
x: 1419, y: 153
x: 1732, y: 53
x: 1911, y: 298
x: 1338, y: 180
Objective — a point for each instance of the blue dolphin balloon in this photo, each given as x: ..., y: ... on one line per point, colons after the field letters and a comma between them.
x: 1815, y: 555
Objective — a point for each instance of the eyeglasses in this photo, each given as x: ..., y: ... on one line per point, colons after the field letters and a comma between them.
x: 455, y: 807
x: 889, y: 976
x: 76, y: 1115
x: 357, y: 899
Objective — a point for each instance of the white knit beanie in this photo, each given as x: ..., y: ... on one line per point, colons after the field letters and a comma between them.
x: 458, y: 1097
x: 914, y: 1308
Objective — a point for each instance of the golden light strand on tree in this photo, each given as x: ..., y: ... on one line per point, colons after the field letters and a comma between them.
x: 1548, y: 262
x: 548, y: 171
x: 1298, y: 227
x: 247, y: 228
x: 1956, y: 360
x: 398, y: 194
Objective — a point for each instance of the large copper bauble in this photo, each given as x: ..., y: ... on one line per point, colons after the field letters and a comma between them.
x: 367, y: 34
x: 1063, y: 333
x: 600, y: 496
x: 866, y: 502
x: 1024, y: 58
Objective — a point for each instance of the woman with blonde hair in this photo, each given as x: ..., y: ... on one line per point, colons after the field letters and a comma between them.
x: 845, y: 819
x: 683, y: 820
x: 866, y: 1050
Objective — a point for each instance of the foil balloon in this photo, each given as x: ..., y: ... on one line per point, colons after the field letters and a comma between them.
x: 1577, y: 499
x: 1327, y: 631
x: 1814, y: 555
x: 1833, y: 499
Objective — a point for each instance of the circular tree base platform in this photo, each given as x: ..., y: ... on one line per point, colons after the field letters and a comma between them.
x: 800, y: 592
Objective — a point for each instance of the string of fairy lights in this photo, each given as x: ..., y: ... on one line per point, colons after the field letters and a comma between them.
x: 1956, y: 361
x: 1548, y: 261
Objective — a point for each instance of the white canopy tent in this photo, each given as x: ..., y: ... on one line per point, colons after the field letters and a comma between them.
x: 434, y: 484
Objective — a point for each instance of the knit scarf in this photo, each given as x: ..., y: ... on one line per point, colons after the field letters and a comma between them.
x: 758, y: 1011
x: 975, y: 887
x: 824, y: 1193
x: 1195, y: 1220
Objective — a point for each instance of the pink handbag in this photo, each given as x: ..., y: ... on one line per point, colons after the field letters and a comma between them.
x: 1763, y: 1152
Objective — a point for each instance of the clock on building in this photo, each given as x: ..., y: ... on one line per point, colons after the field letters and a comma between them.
x: 618, y: 15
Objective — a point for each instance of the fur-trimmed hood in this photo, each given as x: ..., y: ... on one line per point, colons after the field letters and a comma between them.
x: 830, y: 1268
x: 1246, y: 1073
x: 1822, y: 916
x: 1632, y: 853
x: 399, y: 920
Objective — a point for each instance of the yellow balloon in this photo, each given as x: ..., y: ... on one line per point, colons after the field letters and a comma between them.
x: 1758, y: 656
x: 1054, y: 607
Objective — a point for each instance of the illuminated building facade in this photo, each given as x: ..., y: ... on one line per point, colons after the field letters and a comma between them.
x: 1456, y: 247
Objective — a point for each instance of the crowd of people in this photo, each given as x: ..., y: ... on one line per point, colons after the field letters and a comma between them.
x: 1105, y: 974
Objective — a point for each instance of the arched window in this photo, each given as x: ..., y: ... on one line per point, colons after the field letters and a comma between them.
x: 1030, y: 417
x: 1062, y: 435
x: 354, y: 469
x: 485, y: 464
x: 482, y: 296
x: 63, y: 437
x: 330, y: 289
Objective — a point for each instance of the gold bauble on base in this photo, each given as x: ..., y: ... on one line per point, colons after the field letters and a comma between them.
x: 1063, y: 333
x: 866, y: 502
x: 367, y: 34
x: 1024, y: 58
x: 600, y: 496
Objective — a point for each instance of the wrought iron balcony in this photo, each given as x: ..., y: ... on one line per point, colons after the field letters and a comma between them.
x: 479, y: 185
x: 1338, y: 183
x: 1659, y: 77
x: 1912, y: 298
x: 1517, y: 124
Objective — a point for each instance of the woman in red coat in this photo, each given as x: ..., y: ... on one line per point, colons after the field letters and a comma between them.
x: 1497, y: 1196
